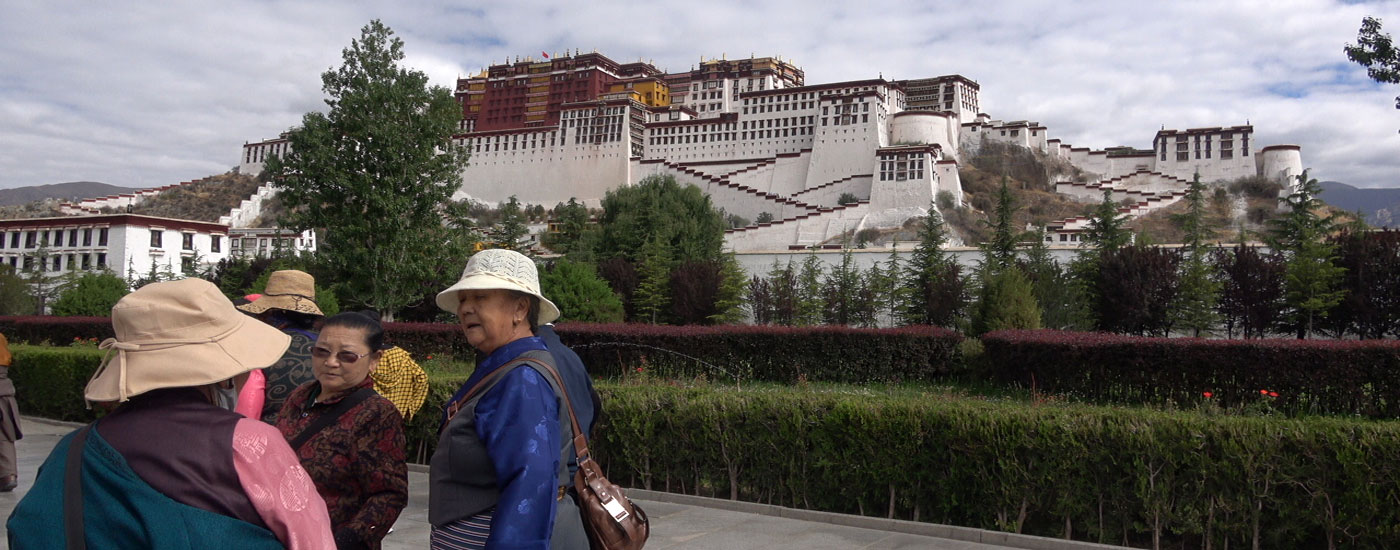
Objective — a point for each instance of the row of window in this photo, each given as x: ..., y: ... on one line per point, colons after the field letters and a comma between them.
x: 259, y: 153
x: 186, y: 241
x: 56, y: 262
x: 901, y: 167
x: 36, y: 238
x: 1184, y: 149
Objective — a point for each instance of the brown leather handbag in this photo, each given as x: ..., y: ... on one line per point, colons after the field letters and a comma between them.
x: 612, y: 521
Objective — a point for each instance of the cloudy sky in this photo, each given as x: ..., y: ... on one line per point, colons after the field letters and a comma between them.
x: 142, y: 94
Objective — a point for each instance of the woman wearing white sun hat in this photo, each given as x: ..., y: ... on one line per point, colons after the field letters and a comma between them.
x: 167, y: 468
x: 487, y: 489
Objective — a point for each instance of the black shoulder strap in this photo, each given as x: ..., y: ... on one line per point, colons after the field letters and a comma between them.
x: 73, y: 491
x: 331, y: 416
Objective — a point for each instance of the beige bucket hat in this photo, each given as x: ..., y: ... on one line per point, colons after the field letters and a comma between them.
x: 180, y: 334
x: 287, y: 289
x: 503, y: 269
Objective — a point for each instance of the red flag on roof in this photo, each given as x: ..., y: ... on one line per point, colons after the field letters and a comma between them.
x: 546, y: 56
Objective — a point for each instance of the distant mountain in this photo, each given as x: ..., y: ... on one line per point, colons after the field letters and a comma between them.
x: 1380, y: 205
x: 65, y: 191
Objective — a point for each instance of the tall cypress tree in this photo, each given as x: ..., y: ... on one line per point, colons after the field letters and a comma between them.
x: 1199, y: 291
x: 1312, y: 282
x: 934, y: 291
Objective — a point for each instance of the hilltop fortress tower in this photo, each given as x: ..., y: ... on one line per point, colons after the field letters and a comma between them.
x: 759, y: 140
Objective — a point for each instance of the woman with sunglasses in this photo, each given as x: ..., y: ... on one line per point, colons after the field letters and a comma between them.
x: 349, y: 438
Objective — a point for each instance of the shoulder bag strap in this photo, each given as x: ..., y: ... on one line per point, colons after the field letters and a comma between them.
x: 481, y: 385
x: 73, y: 491
x: 331, y: 416
x: 580, y: 443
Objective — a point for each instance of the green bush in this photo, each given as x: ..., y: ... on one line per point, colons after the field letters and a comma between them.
x: 1089, y: 473
x: 91, y: 294
x: 49, y: 381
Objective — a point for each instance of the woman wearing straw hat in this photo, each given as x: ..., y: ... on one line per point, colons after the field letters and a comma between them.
x: 167, y: 468
x: 498, y: 476
x: 289, y: 304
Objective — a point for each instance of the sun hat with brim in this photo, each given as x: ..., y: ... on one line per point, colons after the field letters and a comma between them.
x: 180, y: 334
x: 498, y: 269
x: 289, y: 290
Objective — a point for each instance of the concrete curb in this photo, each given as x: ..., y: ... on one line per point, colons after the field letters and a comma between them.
x: 52, y: 422
x: 951, y: 532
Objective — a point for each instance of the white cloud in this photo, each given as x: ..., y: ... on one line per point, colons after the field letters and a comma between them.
x: 151, y: 94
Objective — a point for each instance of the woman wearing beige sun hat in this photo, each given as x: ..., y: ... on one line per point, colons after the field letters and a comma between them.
x: 167, y: 468
x: 487, y: 489
x: 289, y: 305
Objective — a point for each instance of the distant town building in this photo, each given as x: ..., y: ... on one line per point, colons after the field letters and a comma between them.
x: 120, y: 242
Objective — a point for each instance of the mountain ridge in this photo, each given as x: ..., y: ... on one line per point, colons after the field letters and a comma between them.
x: 72, y: 190
x: 1380, y: 205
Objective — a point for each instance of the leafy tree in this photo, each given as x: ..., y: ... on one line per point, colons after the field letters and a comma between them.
x: 760, y: 305
x: 847, y: 198
x: 1104, y: 236
x: 653, y: 274
x: 622, y: 276
x: 580, y: 293
x: 1136, y: 288
x: 884, y: 282
x: 1055, y: 292
x: 810, y: 301
x: 513, y: 229
x: 93, y: 293
x: 1377, y: 52
x: 782, y: 295
x: 376, y: 172
x: 1251, y: 291
x: 1312, y: 282
x: 1195, y: 305
x: 934, y: 292
x: 14, y: 293
x: 1371, y: 308
x: 658, y: 208
x: 235, y: 275
x: 764, y: 217
x: 1007, y: 301
x: 1106, y: 232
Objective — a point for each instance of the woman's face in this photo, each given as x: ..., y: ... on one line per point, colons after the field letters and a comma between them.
x: 491, y: 318
x: 330, y: 358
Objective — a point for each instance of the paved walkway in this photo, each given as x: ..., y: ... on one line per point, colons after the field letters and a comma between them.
x: 678, y: 522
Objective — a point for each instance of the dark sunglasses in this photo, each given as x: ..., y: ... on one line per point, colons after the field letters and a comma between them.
x: 345, y: 357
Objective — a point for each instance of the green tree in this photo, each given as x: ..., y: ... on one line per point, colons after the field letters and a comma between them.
x: 885, y: 282
x: 1060, y: 305
x: 1199, y: 289
x: 513, y: 229
x: 764, y: 217
x: 92, y: 293
x: 934, y: 290
x: 580, y: 293
x: 573, y: 222
x: 1312, y: 280
x: 810, y: 301
x: 658, y: 208
x: 43, y: 285
x: 1104, y: 237
x: 14, y: 293
x: 729, y: 303
x: 843, y: 289
x: 1377, y: 52
x: 999, y: 252
x: 375, y: 173
x: 1007, y: 301
x: 654, y: 273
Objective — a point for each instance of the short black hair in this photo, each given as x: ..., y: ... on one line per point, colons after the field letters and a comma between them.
x: 374, y: 332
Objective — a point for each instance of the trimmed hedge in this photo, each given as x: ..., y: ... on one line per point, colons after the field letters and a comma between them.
x: 732, y: 352
x: 1132, y: 477
x: 1314, y: 376
x: 58, y: 331
x: 1091, y: 473
x: 767, y: 353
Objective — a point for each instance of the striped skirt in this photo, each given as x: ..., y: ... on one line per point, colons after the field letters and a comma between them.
x: 467, y: 534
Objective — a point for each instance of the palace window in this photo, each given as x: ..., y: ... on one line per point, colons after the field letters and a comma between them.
x: 156, y: 238
x: 187, y: 241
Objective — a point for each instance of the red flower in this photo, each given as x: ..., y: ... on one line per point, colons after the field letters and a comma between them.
x: 1207, y: 395
x: 1263, y: 392
x: 1273, y: 394
x: 430, y: 357
x: 639, y: 369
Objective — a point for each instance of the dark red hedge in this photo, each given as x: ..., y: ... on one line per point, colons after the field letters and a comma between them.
x: 1317, y: 376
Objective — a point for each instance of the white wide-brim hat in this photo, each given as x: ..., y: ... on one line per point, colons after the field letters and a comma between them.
x: 179, y: 334
x: 499, y: 269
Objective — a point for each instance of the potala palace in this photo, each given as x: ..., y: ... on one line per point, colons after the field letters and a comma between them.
x: 758, y: 139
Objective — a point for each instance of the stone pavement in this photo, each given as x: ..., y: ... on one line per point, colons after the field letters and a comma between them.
x: 678, y: 522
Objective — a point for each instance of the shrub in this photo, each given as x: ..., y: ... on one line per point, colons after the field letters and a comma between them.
x: 49, y: 381
x: 767, y: 353
x: 90, y: 294
x: 59, y: 331
x: 1325, y: 377
x: 580, y: 293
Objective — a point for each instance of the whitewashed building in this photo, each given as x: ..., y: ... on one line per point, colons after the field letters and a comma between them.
x: 122, y: 243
